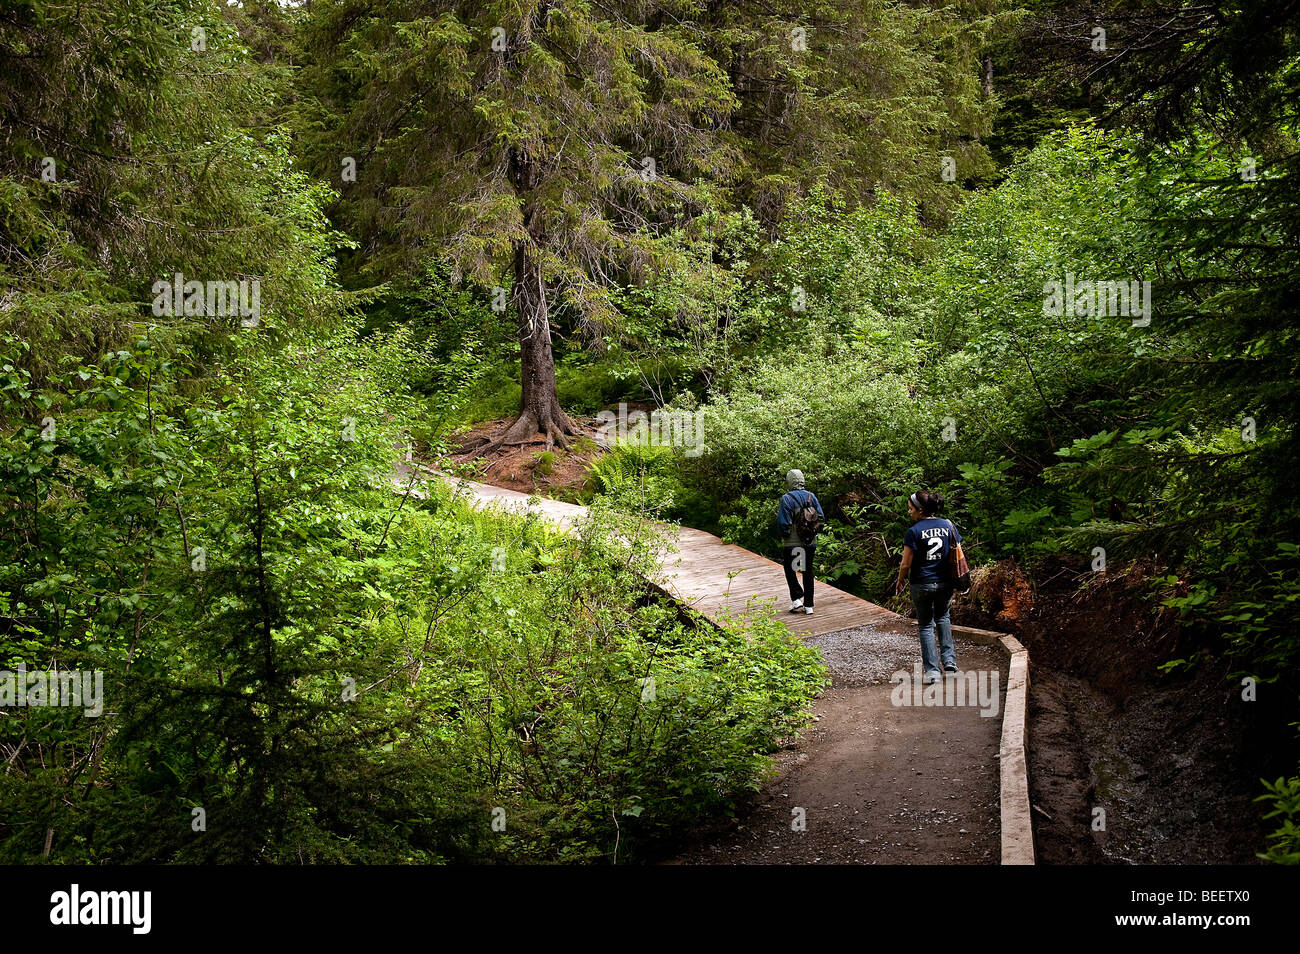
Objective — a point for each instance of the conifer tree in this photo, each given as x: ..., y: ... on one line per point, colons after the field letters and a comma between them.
x: 560, y: 141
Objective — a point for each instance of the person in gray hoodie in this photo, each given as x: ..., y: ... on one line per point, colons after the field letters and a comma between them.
x: 797, y: 553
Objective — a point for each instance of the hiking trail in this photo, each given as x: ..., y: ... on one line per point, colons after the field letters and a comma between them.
x: 869, y: 781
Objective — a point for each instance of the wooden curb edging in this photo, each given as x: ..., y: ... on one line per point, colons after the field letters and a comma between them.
x: 1017, y: 823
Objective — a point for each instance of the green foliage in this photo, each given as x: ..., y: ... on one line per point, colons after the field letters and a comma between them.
x: 136, y: 156
x: 1171, y: 439
x: 587, y: 385
x: 1283, y: 796
x: 477, y: 385
x: 838, y: 412
x: 235, y: 565
x: 206, y: 512
x: 188, y: 550
x: 545, y: 463
x: 683, y: 325
x: 607, y: 720
x: 643, y: 477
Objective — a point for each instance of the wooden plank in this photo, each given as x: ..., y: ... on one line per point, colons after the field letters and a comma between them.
x: 1017, y: 823
x: 697, y: 573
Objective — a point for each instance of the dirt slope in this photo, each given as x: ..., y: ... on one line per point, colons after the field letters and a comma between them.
x: 1173, y: 759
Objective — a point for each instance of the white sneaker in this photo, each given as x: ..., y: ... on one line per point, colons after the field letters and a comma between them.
x: 796, y: 606
x: 807, y: 611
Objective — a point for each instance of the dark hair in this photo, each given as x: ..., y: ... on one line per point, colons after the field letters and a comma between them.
x: 930, y: 502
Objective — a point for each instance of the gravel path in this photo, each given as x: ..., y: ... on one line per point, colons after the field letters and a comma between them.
x: 871, y: 782
x: 867, y: 654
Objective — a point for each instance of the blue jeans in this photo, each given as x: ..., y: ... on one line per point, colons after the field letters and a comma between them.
x: 931, y: 601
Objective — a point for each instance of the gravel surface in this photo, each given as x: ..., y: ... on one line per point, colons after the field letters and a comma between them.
x: 867, y: 655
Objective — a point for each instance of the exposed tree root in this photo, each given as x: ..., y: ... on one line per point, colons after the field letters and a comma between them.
x: 554, y: 428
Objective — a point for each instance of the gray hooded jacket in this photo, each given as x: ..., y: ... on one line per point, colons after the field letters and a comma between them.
x: 790, y: 502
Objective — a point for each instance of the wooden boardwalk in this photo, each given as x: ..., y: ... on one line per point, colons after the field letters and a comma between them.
x: 713, y: 577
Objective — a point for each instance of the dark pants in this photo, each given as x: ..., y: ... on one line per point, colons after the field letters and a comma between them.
x: 795, y: 559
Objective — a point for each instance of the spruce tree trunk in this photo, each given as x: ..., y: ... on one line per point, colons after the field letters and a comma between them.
x: 540, y: 413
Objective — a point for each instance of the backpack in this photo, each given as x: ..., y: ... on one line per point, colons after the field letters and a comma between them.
x: 807, y: 521
x: 958, y: 570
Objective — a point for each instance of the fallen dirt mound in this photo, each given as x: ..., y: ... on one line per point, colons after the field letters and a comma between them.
x: 1002, y: 592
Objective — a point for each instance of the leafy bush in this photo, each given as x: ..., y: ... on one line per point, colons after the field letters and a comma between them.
x: 331, y: 671
x: 607, y: 720
x: 1284, y: 798
x: 647, y: 478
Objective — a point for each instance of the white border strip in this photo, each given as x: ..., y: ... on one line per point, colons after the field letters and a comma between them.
x: 1017, y: 823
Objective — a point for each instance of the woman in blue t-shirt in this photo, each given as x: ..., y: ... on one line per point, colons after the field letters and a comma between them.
x: 927, y: 554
